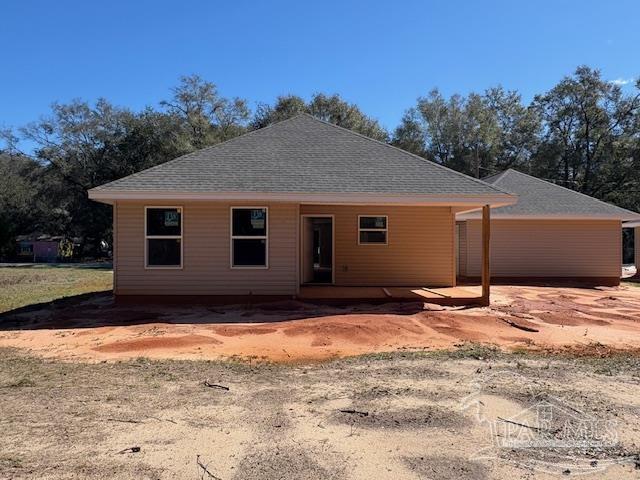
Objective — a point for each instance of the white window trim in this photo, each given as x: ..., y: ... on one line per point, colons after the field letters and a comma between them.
x: 385, y: 230
x: 163, y: 237
x: 249, y: 237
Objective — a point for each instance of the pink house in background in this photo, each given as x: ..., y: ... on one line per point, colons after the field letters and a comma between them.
x: 41, y: 249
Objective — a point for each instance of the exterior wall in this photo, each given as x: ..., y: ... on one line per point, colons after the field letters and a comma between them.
x: 45, y: 251
x: 636, y: 249
x: 420, y: 249
x: 206, y: 252
x: 462, y: 248
x: 548, y: 248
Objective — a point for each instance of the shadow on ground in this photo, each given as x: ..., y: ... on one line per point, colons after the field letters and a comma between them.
x: 99, y: 309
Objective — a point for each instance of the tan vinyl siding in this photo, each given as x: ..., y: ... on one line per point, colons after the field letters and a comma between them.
x: 420, y: 250
x: 206, y: 249
x: 547, y: 248
x: 637, y: 249
x: 462, y: 247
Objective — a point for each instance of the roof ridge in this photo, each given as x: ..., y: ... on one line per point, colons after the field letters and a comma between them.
x: 570, y: 190
x: 477, y: 180
x: 496, y: 176
x: 210, y: 147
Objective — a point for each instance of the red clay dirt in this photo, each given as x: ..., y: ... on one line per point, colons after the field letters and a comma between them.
x: 540, y: 318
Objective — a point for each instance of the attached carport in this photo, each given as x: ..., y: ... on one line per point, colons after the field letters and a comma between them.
x: 636, y: 246
x: 551, y: 234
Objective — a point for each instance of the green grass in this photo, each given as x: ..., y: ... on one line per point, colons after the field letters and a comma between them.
x: 20, y: 287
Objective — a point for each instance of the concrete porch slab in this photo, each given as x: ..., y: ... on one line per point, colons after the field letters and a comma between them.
x: 440, y: 296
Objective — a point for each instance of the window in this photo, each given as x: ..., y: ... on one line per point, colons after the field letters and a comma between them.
x: 163, y: 237
x: 372, y: 230
x: 26, y: 248
x: 249, y: 237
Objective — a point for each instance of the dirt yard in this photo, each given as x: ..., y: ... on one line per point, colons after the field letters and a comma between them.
x: 545, y: 382
x: 91, y: 327
x: 397, y: 416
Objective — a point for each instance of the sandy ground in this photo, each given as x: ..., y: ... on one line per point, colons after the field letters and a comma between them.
x: 548, y: 318
x: 400, y: 416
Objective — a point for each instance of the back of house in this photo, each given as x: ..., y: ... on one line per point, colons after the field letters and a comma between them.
x: 301, y: 202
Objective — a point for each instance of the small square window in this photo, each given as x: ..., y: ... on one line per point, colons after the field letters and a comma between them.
x: 372, y: 230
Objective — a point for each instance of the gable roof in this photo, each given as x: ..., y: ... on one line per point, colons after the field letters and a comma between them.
x: 539, y: 198
x: 301, y: 155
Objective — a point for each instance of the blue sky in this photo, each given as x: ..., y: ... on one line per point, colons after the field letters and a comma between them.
x: 380, y: 54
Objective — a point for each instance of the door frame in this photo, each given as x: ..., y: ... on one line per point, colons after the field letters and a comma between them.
x: 333, y: 246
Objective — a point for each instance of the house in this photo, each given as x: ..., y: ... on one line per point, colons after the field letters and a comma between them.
x: 298, y: 202
x: 551, y: 233
x: 38, y: 248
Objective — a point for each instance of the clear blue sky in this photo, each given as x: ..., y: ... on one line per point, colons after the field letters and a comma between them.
x: 380, y: 54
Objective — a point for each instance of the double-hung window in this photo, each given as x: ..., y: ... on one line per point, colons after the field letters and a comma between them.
x: 249, y: 237
x: 163, y: 237
x: 372, y: 230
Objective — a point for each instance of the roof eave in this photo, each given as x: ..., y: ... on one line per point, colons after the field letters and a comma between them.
x: 462, y: 200
x: 564, y: 216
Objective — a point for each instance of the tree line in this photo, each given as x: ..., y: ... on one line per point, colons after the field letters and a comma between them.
x: 584, y: 134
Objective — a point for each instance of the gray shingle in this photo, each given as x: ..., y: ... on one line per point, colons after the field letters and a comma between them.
x: 539, y: 197
x: 302, y: 155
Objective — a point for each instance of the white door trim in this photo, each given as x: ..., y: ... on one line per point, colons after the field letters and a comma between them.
x: 333, y: 244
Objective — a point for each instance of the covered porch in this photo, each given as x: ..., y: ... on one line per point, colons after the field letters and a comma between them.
x: 381, y: 254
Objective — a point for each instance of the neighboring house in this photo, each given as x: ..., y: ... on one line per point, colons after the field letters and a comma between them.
x: 38, y: 248
x: 552, y: 232
x: 299, y: 202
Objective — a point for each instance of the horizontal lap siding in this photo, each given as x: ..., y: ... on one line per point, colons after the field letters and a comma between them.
x: 637, y: 249
x: 420, y: 249
x: 462, y: 247
x: 206, y: 249
x: 547, y: 248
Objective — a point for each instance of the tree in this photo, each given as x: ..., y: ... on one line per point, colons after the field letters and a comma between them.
x: 330, y: 108
x: 20, y: 210
x: 519, y: 129
x: 80, y: 146
x: 73, y: 147
x: 207, y: 118
x: 590, y: 134
x: 286, y: 106
x: 460, y: 133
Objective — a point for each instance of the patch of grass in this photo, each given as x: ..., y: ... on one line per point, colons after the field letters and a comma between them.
x: 8, y: 461
x: 20, y: 287
x: 635, y: 284
x: 476, y: 351
x: 615, y: 365
x: 470, y: 350
x: 23, y: 382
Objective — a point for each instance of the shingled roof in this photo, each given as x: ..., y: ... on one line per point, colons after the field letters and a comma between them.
x: 302, y: 155
x: 539, y: 198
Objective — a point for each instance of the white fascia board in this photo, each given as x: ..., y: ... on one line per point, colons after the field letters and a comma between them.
x: 495, y: 216
x: 498, y: 200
